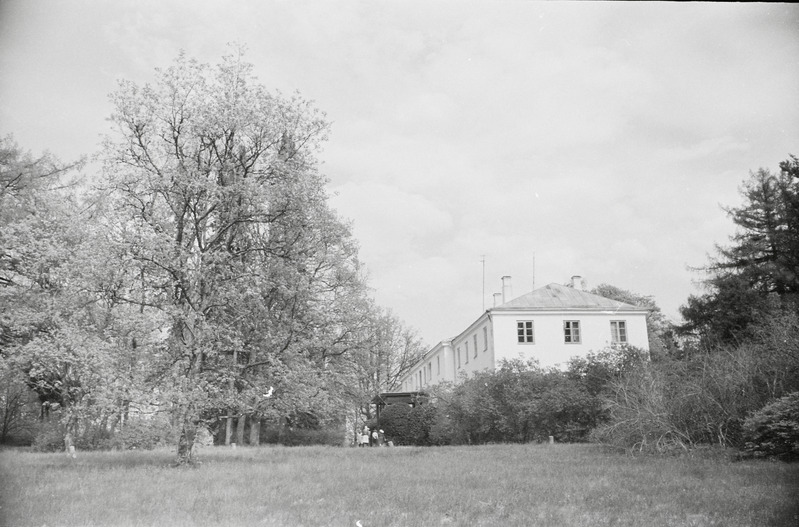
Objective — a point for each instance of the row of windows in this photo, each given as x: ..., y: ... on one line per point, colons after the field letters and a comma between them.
x: 474, y: 347
x: 525, y: 333
x: 525, y: 330
x: 425, y: 375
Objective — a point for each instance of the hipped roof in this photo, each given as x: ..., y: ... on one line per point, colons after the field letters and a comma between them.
x: 560, y: 297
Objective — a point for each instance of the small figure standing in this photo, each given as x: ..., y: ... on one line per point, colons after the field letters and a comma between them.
x: 363, y: 437
x: 381, y: 438
x: 375, y: 436
x: 69, y: 446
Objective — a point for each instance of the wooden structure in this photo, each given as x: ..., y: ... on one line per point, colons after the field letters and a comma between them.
x: 384, y: 399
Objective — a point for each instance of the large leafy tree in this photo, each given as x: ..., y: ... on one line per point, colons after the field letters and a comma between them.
x: 220, y: 222
x: 39, y: 241
x: 64, y: 334
x: 33, y: 220
x: 759, y: 271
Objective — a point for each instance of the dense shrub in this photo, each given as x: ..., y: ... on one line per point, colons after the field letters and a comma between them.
x: 705, y: 396
x: 519, y: 402
x: 423, y: 418
x: 774, y: 429
x: 597, y: 370
x: 144, y: 434
x: 404, y: 425
x: 94, y: 437
x: 565, y: 410
x: 19, y: 408
x: 137, y: 433
x: 640, y: 415
x: 49, y: 437
x: 395, y: 422
x: 441, y: 429
x: 286, y: 436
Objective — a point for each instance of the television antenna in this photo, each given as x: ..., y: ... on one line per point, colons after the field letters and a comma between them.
x: 483, y: 261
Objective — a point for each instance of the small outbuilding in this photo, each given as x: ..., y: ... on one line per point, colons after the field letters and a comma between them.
x: 384, y: 399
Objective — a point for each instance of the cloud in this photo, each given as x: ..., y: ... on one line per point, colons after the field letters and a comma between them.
x: 600, y: 137
x: 387, y: 219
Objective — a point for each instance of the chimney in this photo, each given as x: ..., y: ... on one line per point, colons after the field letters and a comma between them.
x: 578, y: 283
x: 497, y: 299
x: 507, y: 292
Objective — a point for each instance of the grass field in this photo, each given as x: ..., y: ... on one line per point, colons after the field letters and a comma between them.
x: 503, y: 485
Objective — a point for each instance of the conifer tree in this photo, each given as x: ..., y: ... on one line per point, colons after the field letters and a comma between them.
x: 759, y: 271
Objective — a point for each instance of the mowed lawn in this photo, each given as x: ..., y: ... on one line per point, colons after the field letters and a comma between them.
x: 503, y: 485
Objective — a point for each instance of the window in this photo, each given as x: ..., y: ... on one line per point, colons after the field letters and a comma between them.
x: 467, y: 351
x: 429, y: 372
x: 524, y: 332
x: 438, y: 364
x: 485, y: 338
x: 571, y: 331
x: 618, y: 331
x: 459, y: 357
x: 474, y: 340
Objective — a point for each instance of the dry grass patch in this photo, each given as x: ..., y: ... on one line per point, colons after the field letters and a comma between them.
x: 507, y: 485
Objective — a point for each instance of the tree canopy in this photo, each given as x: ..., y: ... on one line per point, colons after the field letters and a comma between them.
x: 759, y: 271
x: 220, y: 220
x: 205, y: 276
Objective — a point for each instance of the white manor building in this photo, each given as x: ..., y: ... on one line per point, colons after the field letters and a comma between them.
x: 551, y: 324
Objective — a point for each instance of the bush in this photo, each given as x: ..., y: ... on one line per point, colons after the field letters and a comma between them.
x: 93, y: 437
x: 395, y: 422
x: 597, y: 370
x: 518, y: 403
x: 408, y: 426
x: 137, y: 433
x: 423, y: 418
x: 441, y: 430
x: 774, y: 429
x: 641, y: 414
x: 49, y: 437
x: 565, y: 410
x: 280, y: 435
x: 701, y: 399
x: 143, y: 434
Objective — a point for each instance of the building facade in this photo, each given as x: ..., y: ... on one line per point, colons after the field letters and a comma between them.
x: 551, y: 324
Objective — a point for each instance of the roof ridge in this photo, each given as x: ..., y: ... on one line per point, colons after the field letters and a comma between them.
x: 559, y: 296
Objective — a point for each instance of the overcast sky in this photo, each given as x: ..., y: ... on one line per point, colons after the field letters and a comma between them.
x: 598, y: 139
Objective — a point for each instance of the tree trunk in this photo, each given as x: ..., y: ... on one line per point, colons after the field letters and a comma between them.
x: 242, y: 422
x: 188, y: 433
x: 229, y: 424
x: 125, y: 412
x: 71, y: 421
x: 255, y: 431
x: 228, y: 429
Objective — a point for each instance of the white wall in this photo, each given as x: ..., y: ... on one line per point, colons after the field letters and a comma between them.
x: 437, y: 366
x: 484, y: 358
x: 550, y: 348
